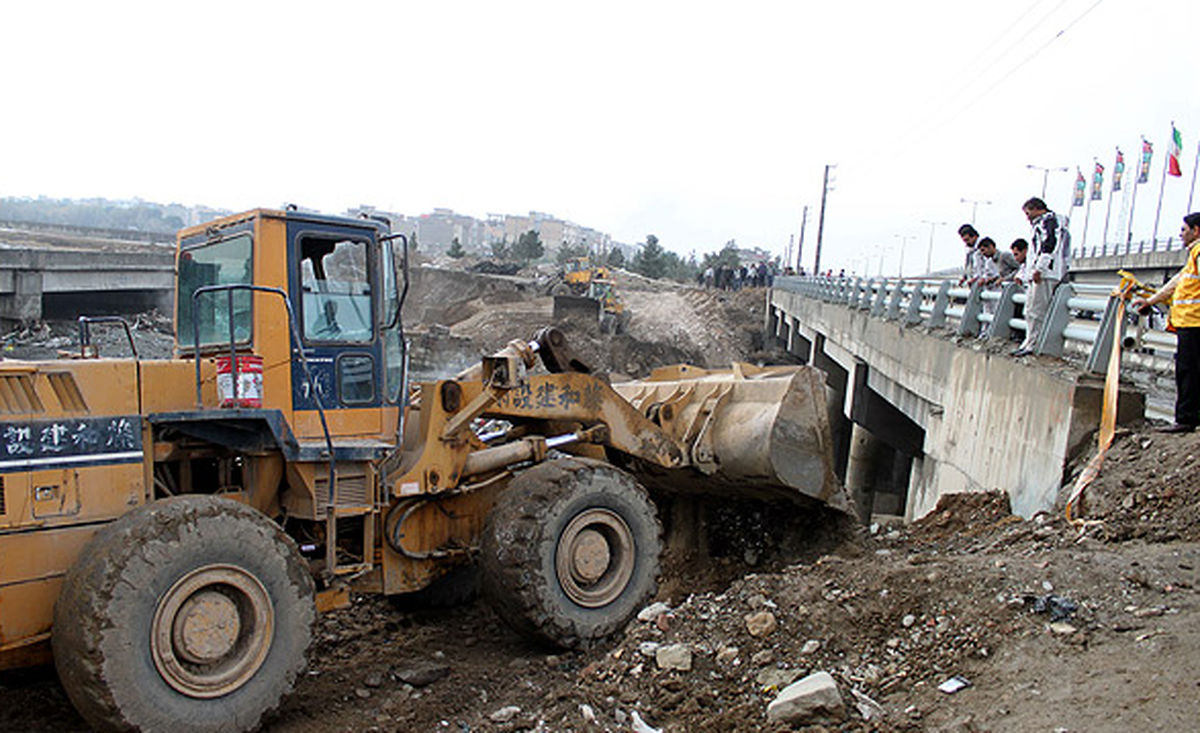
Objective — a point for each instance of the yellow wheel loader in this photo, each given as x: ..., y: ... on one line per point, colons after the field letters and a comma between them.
x: 170, y: 529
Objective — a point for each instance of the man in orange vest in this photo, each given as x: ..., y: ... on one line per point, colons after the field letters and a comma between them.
x: 1185, y: 317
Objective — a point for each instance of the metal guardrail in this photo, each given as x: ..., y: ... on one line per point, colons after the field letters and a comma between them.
x: 1081, y: 322
x: 1128, y: 248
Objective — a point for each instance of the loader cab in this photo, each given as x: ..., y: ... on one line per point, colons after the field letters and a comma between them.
x: 339, y: 276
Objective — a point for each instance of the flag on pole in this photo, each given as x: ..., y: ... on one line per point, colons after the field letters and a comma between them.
x: 1080, y: 187
x: 1173, y: 168
x: 1098, y: 182
x: 1118, y: 171
x: 1144, y: 168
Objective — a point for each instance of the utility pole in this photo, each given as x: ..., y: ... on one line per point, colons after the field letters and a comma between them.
x: 974, y: 206
x: 821, y: 220
x: 800, y: 247
x: 933, y: 225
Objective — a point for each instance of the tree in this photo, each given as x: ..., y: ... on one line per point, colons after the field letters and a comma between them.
x: 616, y: 258
x: 528, y: 247
x: 651, y: 260
x: 456, y: 249
x: 571, y: 252
x: 500, y: 248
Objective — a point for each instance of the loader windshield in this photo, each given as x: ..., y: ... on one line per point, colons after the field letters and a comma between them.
x: 217, y: 263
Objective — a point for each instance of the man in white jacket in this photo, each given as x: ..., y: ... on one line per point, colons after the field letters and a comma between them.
x: 1051, y: 258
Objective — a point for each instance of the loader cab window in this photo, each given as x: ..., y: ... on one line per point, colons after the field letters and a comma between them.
x: 224, y: 262
x: 336, y: 304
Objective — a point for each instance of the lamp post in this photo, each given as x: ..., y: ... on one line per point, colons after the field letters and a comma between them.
x: 903, y: 243
x: 974, y: 206
x: 933, y: 225
x: 1046, y: 174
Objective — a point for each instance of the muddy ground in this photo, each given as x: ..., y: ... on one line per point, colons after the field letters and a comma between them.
x: 1054, y: 627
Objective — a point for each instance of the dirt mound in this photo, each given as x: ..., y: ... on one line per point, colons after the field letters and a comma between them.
x: 1148, y: 488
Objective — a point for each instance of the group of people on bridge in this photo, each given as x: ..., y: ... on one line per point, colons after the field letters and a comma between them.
x: 1042, y: 264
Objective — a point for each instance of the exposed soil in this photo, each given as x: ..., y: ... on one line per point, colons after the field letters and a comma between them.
x: 890, y: 612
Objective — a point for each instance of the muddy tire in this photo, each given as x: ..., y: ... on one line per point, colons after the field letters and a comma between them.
x: 191, y: 614
x: 571, y: 551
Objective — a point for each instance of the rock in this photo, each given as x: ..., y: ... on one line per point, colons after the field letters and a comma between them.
x: 765, y: 656
x: 373, y: 680
x: 640, y: 726
x: 761, y: 623
x: 588, y: 714
x: 505, y: 714
x: 652, y: 612
x: 648, y: 648
x: 810, y: 646
x: 674, y: 656
x: 868, y: 708
x: 777, y: 678
x: 620, y: 716
x: 419, y: 674
x: 813, y: 699
x: 727, y: 655
x: 1061, y: 627
x: 908, y: 620
x: 363, y: 693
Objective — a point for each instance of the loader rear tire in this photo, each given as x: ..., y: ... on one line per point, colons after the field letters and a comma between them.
x: 192, y: 614
x: 571, y: 551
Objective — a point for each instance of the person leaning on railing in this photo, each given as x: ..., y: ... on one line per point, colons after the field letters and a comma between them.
x: 1183, y: 290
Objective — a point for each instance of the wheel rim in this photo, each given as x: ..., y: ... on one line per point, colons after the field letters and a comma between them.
x: 595, y: 557
x: 212, y: 631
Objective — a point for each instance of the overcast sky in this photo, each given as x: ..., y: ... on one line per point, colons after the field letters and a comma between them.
x: 698, y: 122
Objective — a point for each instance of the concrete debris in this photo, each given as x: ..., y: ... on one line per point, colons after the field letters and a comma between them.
x: 674, y: 656
x: 727, y: 655
x: 777, y: 679
x: 589, y: 715
x: 810, y: 647
x: 813, y: 699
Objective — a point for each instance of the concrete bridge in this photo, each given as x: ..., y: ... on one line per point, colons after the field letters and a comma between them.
x: 923, y: 406
x: 52, y: 272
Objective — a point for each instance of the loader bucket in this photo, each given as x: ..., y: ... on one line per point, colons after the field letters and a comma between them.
x: 747, y: 431
x: 576, y: 306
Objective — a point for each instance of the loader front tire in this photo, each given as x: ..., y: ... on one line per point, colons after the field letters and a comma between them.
x: 571, y: 551
x: 192, y: 614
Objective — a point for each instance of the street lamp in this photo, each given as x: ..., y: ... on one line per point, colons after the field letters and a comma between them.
x: 1046, y: 174
x: 933, y: 225
x: 903, y: 243
x: 974, y: 206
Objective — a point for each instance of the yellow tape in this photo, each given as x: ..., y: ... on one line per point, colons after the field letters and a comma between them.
x: 1108, y: 412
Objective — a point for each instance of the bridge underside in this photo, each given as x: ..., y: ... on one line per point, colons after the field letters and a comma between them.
x: 919, y: 416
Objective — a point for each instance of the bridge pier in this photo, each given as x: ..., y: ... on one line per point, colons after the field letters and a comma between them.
x: 21, y: 296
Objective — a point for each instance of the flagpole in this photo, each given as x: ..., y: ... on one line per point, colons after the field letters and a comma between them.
x: 1161, y: 187
x: 1192, y: 191
x: 1137, y: 181
x: 1087, y: 214
x: 1107, y: 214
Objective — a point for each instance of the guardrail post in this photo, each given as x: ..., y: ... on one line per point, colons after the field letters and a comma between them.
x: 856, y: 293
x: 1110, y: 328
x: 1001, y: 328
x: 893, y: 309
x: 941, y: 302
x: 880, y: 295
x: 913, y: 315
x: 1052, y: 339
x: 969, y: 325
